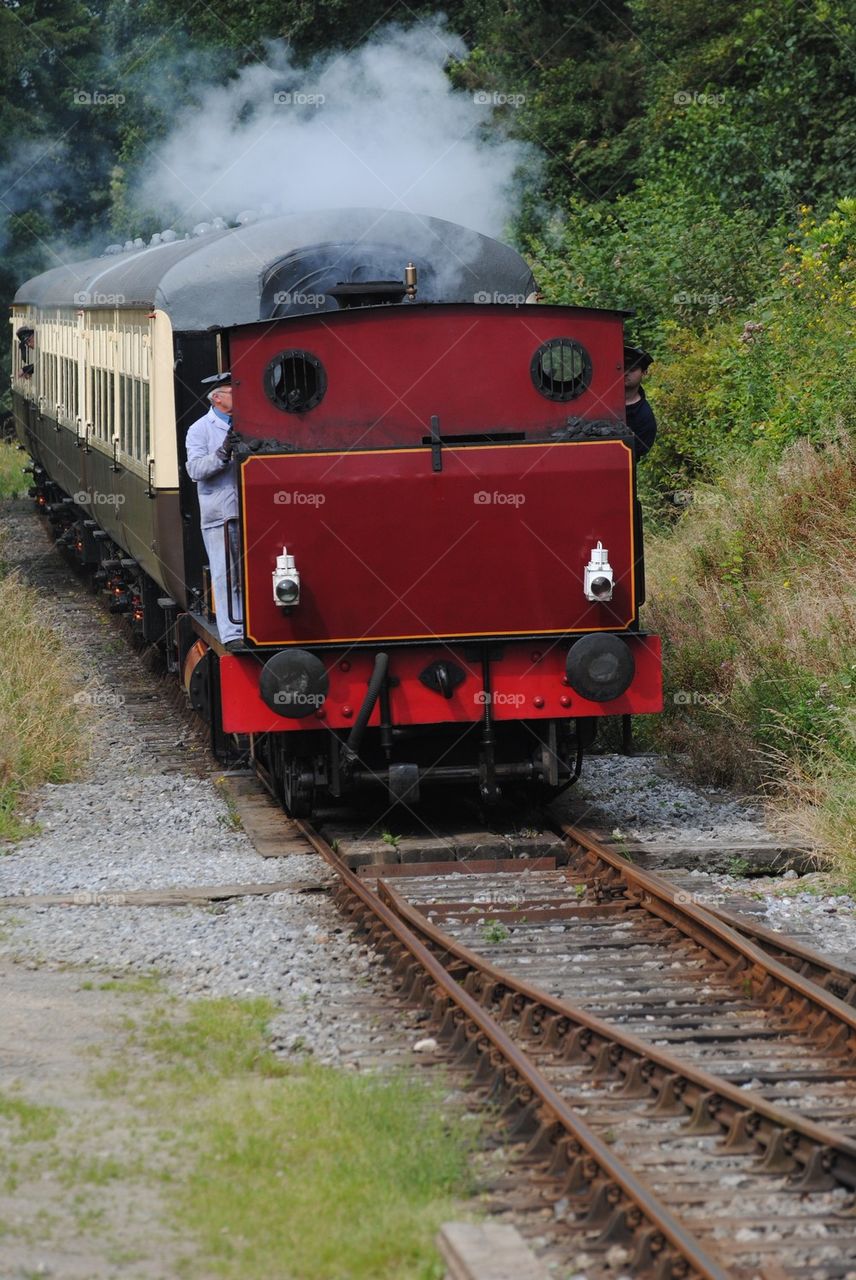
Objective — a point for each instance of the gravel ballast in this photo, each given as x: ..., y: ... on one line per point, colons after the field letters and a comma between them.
x: 642, y: 798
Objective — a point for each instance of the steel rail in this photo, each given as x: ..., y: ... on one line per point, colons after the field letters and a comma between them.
x: 839, y: 979
x: 833, y: 1021
x: 786, y: 1140
x: 540, y: 1105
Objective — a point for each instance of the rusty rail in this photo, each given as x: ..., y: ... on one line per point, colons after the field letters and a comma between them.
x: 836, y: 978
x: 824, y: 1015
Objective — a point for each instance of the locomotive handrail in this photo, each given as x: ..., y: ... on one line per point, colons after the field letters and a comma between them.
x: 228, y: 552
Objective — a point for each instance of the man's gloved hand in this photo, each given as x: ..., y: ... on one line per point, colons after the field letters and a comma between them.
x: 227, y: 448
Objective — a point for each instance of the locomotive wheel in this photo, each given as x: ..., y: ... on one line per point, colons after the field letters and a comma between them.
x: 298, y: 788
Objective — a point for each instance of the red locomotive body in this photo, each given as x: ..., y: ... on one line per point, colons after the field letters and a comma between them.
x: 437, y: 501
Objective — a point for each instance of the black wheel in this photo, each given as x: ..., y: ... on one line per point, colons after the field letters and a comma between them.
x: 298, y: 787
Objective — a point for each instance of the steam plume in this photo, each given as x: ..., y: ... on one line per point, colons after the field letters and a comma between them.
x: 377, y: 127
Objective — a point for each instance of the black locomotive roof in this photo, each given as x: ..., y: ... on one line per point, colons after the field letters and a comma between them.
x: 285, y: 265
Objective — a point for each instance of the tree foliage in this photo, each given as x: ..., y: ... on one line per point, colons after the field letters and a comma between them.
x: 679, y: 140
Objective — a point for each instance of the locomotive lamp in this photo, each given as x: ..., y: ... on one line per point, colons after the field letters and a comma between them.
x: 286, y: 581
x: 599, y: 579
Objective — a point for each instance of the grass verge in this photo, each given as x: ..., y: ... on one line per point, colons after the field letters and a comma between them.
x: 755, y: 596
x: 306, y: 1172
x: 40, y: 724
x: 34, y: 1123
x: 13, y: 482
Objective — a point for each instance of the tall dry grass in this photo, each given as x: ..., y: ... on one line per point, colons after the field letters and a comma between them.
x: 41, y: 732
x: 755, y: 595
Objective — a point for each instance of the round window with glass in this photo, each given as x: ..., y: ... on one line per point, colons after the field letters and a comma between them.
x: 561, y: 369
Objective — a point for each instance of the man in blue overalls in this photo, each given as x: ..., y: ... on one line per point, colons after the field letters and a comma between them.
x: 210, y: 465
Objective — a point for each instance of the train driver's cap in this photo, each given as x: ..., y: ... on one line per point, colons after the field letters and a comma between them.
x: 217, y: 380
x: 636, y: 358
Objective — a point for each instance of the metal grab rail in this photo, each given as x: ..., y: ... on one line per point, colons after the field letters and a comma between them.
x: 230, y: 527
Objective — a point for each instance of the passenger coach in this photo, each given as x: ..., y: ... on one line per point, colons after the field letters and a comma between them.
x: 442, y: 561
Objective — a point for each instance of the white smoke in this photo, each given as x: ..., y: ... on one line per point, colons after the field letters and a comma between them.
x: 378, y: 127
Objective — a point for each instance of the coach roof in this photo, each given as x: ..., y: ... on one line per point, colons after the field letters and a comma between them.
x: 284, y: 265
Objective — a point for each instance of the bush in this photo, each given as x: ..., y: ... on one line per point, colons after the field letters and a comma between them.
x: 749, y: 358
x: 781, y: 371
x: 754, y: 593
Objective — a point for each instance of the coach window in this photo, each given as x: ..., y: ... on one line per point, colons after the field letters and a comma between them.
x: 138, y: 419
x: 111, y: 405
x: 124, y: 414
x: 147, y: 441
x: 73, y: 401
x: 49, y: 389
x: 26, y: 338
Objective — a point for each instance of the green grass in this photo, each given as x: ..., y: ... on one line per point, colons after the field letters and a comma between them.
x: 41, y: 732
x: 231, y: 819
x: 31, y: 1122
x: 304, y: 1172
x: 495, y: 931
x: 146, y: 984
x: 97, y: 1172
x: 13, y: 482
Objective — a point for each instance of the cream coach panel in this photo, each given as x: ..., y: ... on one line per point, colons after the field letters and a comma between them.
x: 99, y: 379
x: 163, y: 439
x: 133, y: 333
x: 106, y: 374
x: 57, y: 357
x: 128, y: 379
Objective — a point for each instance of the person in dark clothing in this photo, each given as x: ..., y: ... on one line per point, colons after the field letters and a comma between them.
x: 640, y: 415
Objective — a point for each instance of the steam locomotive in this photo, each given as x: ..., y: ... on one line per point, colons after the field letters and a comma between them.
x: 440, y: 558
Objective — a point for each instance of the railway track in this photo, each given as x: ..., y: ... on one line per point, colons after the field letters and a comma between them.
x: 585, y: 851
x: 679, y: 1091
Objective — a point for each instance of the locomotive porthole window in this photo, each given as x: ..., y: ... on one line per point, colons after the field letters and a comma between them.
x: 561, y: 369
x: 295, y: 381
